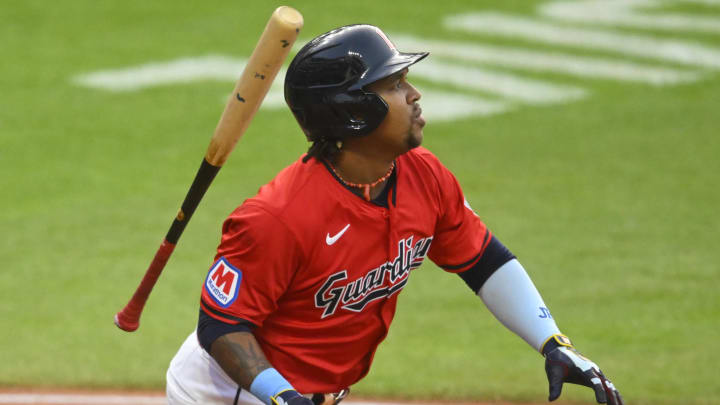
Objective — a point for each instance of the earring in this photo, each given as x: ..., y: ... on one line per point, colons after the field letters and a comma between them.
x: 339, y: 144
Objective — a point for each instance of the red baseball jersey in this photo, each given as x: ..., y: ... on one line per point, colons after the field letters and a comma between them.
x: 318, y: 269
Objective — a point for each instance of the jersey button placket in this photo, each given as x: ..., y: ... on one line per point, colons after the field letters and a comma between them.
x: 391, y: 237
x: 387, y: 308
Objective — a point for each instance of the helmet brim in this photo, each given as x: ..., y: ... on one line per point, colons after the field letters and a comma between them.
x: 396, y: 63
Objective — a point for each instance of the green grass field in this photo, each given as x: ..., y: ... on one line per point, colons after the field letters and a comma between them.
x: 610, y: 201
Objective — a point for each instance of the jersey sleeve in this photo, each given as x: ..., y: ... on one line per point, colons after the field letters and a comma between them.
x: 460, y: 235
x: 254, y: 265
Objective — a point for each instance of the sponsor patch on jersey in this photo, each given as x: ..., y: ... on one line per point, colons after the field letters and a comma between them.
x: 223, y: 282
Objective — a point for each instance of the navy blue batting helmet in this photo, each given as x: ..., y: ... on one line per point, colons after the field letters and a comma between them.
x: 325, y: 83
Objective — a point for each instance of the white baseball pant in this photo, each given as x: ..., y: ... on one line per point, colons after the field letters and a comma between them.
x: 194, y: 377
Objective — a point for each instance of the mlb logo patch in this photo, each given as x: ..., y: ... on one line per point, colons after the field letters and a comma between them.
x: 223, y: 282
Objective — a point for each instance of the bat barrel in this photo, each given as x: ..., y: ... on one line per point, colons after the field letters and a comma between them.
x: 271, y: 51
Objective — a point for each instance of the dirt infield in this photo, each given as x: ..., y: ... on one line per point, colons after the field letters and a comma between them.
x: 24, y: 396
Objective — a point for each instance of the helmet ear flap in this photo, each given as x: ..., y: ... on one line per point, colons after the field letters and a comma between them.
x: 376, y: 109
x: 361, y: 112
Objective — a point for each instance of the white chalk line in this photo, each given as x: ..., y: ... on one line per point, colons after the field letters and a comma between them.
x: 184, y: 70
x: 81, y: 399
x: 439, y: 105
x: 450, y: 65
x: 544, y: 61
x: 528, y: 90
x: 533, y: 29
x: 119, y: 399
x: 630, y: 13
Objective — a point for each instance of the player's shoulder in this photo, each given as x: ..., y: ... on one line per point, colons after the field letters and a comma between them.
x: 291, y: 187
x: 422, y: 161
x: 423, y: 156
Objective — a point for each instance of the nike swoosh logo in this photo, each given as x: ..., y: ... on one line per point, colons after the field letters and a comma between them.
x: 332, y: 239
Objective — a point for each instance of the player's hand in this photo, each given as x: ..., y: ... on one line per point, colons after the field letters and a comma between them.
x: 565, y: 364
x: 291, y: 397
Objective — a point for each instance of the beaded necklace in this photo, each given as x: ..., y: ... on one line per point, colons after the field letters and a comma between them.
x: 365, y: 186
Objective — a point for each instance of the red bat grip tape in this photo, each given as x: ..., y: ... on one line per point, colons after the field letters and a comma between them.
x: 129, y: 318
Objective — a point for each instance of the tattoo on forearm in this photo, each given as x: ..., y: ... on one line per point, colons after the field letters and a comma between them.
x: 240, y: 356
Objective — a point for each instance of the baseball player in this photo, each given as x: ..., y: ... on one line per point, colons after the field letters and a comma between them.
x: 308, y: 272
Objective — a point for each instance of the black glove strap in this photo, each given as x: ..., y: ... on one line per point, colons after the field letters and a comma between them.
x: 554, y: 342
x: 290, y: 397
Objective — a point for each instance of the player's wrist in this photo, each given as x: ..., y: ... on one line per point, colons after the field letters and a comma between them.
x: 290, y: 397
x: 553, y: 342
x: 270, y: 385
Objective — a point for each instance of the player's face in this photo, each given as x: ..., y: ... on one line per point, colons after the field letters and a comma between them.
x: 402, y: 128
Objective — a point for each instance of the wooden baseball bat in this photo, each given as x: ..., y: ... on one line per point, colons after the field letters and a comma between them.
x: 270, y: 52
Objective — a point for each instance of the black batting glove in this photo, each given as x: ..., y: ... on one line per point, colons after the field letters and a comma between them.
x: 291, y: 397
x: 565, y: 364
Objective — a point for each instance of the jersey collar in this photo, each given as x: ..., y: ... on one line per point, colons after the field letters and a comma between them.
x: 382, y: 199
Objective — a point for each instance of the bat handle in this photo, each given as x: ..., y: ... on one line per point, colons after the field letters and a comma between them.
x: 129, y: 318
